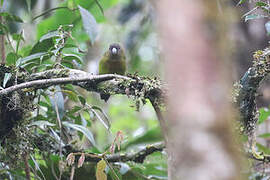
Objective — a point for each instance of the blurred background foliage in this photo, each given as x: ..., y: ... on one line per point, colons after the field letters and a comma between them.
x: 46, y: 34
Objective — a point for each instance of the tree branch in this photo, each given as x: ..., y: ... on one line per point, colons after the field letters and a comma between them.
x: 246, y: 90
x: 43, y: 83
x: 104, y: 84
x: 137, y: 157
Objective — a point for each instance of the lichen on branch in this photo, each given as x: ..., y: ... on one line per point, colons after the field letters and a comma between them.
x: 246, y: 90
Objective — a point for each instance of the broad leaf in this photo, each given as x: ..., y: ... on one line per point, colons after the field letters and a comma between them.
x: 264, y: 114
x: 11, y: 17
x: 49, y: 35
x: 26, y: 59
x: 100, y: 172
x: 89, y: 24
x: 83, y: 130
x: 42, y: 124
x: 6, y: 78
x: 11, y: 58
x: 105, y: 121
x: 254, y: 16
x: 58, y: 100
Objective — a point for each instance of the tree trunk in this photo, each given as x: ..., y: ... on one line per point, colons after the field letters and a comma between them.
x: 201, y: 144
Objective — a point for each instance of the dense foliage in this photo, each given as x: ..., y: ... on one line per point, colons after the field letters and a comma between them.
x: 55, y: 129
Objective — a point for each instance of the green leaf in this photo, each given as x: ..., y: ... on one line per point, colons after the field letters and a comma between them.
x: 260, y: 4
x: 264, y: 135
x: 63, y: 16
x: 82, y: 100
x: 42, y: 124
x: 57, y: 100
x: 152, y: 135
x: 6, y: 78
x: 75, y: 109
x: 241, y: 2
x: 71, y: 57
x: 43, y: 46
x: 106, y: 123
x: 254, y: 16
x: 264, y: 114
x: 49, y: 35
x: 37, y: 166
x: 71, y: 95
x: 17, y: 37
x: 89, y: 24
x: 3, y: 29
x: 26, y: 59
x: 83, y: 130
x: 11, y: 58
x: 11, y: 17
x: 263, y: 148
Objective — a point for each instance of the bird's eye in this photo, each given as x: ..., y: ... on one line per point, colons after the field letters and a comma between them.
x: 114, y: 50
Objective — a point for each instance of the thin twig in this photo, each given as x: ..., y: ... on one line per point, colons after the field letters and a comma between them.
x: 59, y: 124
x: 111, y: 168
x: 2, y: 44
x: 26, y: 166
x: 53, y: 9
x: 100, y: 7
x: 161, y: 120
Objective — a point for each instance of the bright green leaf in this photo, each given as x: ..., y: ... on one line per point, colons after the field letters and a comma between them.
x: 260, y: 4
x: 264, y: 114
x: 11, y: 58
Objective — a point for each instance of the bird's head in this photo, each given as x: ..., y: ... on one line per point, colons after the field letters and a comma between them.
x: 115, y: 50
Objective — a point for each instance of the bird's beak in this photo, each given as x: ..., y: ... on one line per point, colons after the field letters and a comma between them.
x: 114, y: 51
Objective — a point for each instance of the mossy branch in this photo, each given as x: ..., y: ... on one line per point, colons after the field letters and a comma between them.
x: 246, y: 90
x: 140, y: 88
x: 138, y: 156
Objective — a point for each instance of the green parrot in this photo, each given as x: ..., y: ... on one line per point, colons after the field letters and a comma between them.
x: 113, y: 61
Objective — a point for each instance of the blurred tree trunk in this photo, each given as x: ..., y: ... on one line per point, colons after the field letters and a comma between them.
x: 201, y: 144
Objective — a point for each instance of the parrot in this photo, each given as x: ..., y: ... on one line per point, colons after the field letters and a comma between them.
x: 113, y: 60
